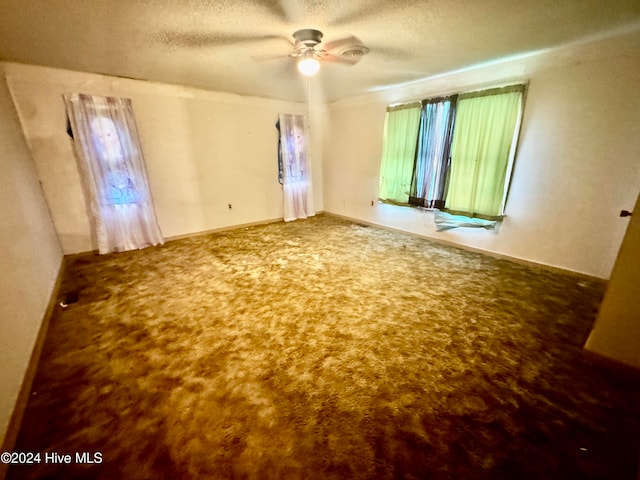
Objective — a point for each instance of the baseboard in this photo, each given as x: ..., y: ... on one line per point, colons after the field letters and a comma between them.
x: 613, y: 365
x: 224, y: 229
x: 501, y: 256
x: 231, y: 227
x: 27, y: 382
x: 191, y: 235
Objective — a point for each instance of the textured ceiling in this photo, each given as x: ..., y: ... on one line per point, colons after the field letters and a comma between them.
x: 221, y: 44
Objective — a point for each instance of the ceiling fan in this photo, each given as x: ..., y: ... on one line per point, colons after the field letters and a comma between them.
x: 310, y: 51
x: 308, y: 48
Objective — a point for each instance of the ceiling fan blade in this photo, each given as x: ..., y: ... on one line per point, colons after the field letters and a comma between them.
x: 392, y: 53
x: 199, y: 39
x: 364, y: 12
x: 269, y: 58
x: 342, y: 42
x: 330, y: 58
x: 275, y: 8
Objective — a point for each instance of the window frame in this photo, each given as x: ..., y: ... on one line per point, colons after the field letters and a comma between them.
x: 412, y: 201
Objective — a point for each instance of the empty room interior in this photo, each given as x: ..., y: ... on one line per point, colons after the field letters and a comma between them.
x: 418, y: 259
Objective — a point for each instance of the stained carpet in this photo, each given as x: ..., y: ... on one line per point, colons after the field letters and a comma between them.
x: 323, y: 349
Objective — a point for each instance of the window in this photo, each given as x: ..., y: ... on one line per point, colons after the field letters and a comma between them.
x: 432, y: 159
x: 463, y: 151
x: 398, y: 153
x: 112, y: 165
x: 294, y: 167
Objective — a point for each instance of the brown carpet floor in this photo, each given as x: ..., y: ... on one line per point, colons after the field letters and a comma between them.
x: 323, y: 349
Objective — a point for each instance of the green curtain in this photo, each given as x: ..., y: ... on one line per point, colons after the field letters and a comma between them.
x: 398, y: 152
x: 481, y: 151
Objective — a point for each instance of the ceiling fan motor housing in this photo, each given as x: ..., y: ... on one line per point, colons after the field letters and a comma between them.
x: 308, y: 37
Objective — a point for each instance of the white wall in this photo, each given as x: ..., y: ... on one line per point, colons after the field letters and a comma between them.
x: 203, y: 151
x: 578, y: 163
x: 30, y: 256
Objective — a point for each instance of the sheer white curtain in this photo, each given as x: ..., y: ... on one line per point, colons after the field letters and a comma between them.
x: 296, y: 167
x: 114, y: 173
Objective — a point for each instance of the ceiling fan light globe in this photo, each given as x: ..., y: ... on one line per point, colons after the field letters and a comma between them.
x: 309, y: 66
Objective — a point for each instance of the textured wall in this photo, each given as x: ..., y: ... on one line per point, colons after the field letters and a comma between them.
x: 203, y: 151
x: 30, y: 256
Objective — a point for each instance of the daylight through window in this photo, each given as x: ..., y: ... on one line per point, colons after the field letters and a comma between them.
x: 453, y: 153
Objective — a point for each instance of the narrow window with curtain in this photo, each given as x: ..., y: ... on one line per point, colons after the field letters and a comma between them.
x: 294, y: 167
x: 398, y: 152
x: 113, y: 172
x: 482, y: 151
x: 428, y: 186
